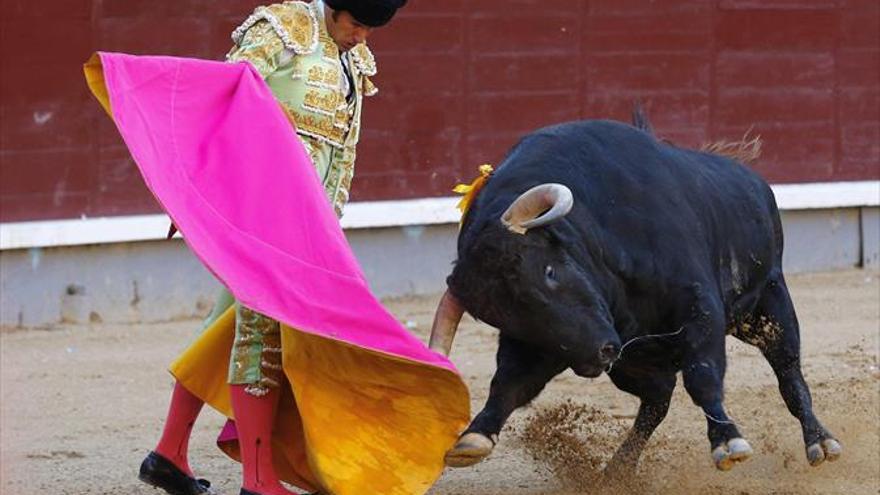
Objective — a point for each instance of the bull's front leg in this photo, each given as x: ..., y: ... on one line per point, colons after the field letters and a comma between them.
x: 704, y: 365
x: 521, y: 374
x: 655, y: 392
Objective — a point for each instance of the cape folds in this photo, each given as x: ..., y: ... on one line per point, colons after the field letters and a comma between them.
x: 373, y: 409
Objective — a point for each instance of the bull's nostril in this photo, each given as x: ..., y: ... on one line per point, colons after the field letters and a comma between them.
x: 608, y: 353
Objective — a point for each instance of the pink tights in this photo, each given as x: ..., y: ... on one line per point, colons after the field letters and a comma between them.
x: 254, y: 418
x: 182, y: 414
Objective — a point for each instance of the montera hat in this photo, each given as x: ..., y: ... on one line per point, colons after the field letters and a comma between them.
x: 373, y: 13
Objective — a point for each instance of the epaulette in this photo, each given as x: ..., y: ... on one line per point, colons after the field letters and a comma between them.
x: 295, y: 22
x: 363, y: 59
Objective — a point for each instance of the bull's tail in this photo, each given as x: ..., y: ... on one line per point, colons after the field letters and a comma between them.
x: 747, y: 150
x: 640, y: 118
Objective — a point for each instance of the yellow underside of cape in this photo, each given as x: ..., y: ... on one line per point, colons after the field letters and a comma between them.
x: 94, y: 72
x: 351, y: 421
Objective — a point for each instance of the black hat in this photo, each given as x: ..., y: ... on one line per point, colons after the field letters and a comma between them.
x: 373, y: 13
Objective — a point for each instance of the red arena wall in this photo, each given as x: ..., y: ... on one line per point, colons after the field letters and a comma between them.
x: 460, y: 81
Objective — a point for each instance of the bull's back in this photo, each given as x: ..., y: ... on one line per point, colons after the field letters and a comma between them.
x: 649, y: 199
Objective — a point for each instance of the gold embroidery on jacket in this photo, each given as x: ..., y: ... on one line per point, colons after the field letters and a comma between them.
x: 295, y: 23
x: 324, y: 76
x: 324, y: 103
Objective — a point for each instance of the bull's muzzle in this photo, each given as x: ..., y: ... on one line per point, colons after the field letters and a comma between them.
x: 603, y: 361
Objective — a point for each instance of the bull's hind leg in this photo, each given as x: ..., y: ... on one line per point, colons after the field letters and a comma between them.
x: 521, y: 374
x: 704, y: 365
x: 774, y: 330
x: 655, y: 392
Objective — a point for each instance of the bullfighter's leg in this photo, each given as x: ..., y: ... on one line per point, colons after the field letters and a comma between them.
x: 704, y: 365
x: 775, y: 331
x: 522, y: 372
x: 655, y: 392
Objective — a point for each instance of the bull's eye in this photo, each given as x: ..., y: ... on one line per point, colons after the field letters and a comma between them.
x: 550, y: 275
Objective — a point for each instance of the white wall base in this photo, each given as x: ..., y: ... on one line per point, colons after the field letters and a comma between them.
x: 138, y: 282
x: 379, y: 214
x: 870, y: 237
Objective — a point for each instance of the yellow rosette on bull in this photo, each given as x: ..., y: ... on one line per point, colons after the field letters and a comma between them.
x: 471, y: 190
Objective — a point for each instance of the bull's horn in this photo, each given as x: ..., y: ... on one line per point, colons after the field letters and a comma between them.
x: 449, y: 313
x: 525, y: 212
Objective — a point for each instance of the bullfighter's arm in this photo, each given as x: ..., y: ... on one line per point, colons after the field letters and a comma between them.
x: 261, y: 46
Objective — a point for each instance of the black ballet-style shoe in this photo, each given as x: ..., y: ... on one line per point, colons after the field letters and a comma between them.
x: 163, y: 474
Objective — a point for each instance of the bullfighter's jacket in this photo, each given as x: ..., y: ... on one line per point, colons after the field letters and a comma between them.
x: 321, y: 88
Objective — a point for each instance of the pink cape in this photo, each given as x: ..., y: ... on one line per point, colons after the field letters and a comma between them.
x: 220, y: 156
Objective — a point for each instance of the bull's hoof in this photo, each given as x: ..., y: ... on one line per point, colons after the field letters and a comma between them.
x: 734, y: 451
x: 828, y: 449
x: 470, y: 449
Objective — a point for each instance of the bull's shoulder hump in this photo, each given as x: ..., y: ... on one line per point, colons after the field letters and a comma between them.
x: 571, y: 148
x: 602, y: 133
x: 579, y: 127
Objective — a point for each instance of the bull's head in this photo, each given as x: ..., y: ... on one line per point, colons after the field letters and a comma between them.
x: 534, y: 285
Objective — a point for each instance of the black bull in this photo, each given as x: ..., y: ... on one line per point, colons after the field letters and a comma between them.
x: 634, y: 257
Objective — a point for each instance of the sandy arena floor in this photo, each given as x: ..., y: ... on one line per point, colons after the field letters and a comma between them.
x: 82, y: 406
